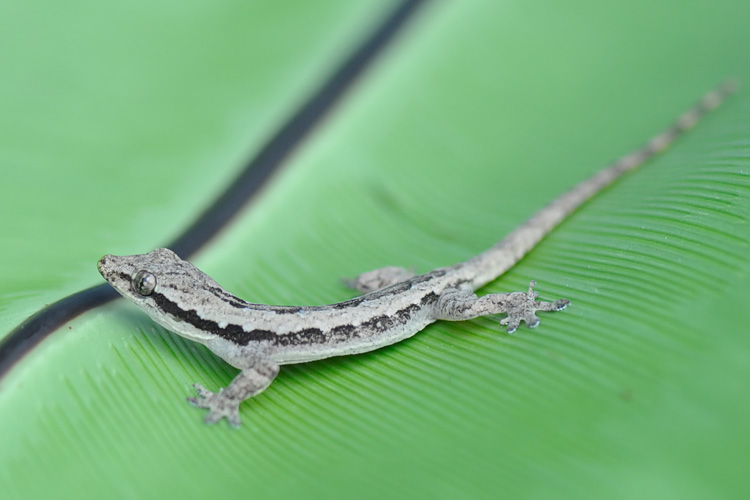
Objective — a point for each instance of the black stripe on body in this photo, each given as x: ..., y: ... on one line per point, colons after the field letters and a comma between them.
x: 307, y: 336
x: 233, y: 333
x: 227, y: 297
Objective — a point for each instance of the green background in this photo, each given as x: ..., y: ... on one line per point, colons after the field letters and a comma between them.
x: 122, y: 121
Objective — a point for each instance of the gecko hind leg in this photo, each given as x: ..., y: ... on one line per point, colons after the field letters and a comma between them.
x: 379, y: 278
x: 458, y: 305
x: 226, y: 403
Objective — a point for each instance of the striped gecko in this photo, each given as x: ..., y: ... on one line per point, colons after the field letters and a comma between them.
x: 396, y: 304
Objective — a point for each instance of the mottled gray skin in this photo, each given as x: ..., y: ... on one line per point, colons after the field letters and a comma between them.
x: 257, y: 338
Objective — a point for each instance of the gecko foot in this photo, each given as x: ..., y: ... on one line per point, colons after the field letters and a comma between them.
x: 218, y: 404
x: 523, y: 307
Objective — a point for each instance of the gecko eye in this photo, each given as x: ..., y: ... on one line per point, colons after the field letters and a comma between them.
x: 144, y: 282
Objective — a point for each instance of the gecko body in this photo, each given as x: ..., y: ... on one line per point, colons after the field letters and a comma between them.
x: 258, y: 338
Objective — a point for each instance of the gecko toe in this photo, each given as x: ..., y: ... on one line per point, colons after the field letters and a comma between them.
x: 557, y: 305
x: 531, y: 319
x: 204, y: 399
x: 234, y: 419
x: 561, y: 304
x: 511, y: 322
x: 212, y: 417
x: 202, y: 391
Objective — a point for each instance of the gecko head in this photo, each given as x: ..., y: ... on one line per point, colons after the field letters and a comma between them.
x: 141, y: 278
x: 163, y: 286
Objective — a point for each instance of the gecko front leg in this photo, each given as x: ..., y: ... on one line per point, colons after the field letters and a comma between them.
x: 226, y: 403
x: 458, y: 305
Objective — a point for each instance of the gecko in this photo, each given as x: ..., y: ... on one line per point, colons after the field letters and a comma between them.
x: 396, y: 303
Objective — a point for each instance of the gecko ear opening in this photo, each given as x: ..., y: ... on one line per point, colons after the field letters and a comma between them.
x: 144, y: 283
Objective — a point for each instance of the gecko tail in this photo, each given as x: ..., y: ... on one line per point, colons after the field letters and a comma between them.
x: 496, y: 260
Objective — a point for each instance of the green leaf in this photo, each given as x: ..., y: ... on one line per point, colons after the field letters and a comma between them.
x: 136, y: 117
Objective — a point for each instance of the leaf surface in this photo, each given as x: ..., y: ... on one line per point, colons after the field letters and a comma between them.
x: 480, y: 114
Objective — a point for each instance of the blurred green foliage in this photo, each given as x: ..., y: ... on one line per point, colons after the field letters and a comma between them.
x: 122, y: 121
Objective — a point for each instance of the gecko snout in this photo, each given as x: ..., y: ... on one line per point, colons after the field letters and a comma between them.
x: 103, y: 263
